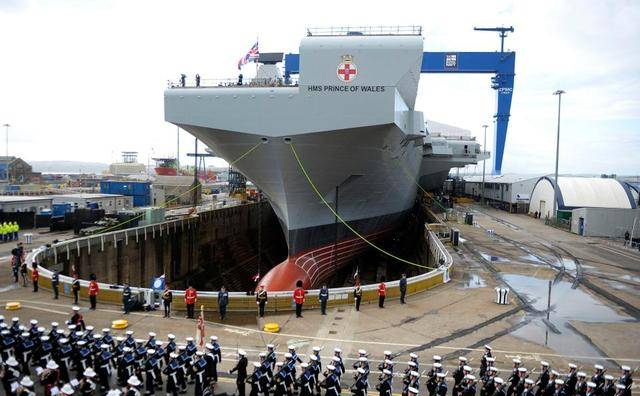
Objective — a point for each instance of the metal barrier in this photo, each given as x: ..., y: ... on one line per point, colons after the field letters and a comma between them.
x: 233, y: 83
x: 408, y: 30
x: 238, y: 301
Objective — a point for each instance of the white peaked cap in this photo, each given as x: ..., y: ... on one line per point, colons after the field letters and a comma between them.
x: 133, y: 381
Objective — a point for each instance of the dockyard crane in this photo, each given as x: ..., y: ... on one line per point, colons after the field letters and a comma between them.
x: 503, y: 33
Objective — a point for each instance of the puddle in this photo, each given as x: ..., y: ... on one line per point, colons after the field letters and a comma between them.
x: 531, y: 257
x: 567, y: 305
x: 622, y: 286
x: 489, y: 257
x: 568, y: 264
x: 472, y: 281
x: 631, y: 278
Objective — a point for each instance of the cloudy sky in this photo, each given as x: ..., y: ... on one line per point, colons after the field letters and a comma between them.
x: 84, y: 80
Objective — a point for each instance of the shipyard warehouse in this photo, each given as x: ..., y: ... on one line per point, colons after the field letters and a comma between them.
x: 314, y: 224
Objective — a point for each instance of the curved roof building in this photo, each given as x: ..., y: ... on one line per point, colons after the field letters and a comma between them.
x: 580, y: 192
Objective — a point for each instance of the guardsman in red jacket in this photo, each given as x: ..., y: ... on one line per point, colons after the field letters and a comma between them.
x: 382, y: 293
x: 190, y: 298
x: 298, y: 297
x: 35, y: 276
x: 93, y: 291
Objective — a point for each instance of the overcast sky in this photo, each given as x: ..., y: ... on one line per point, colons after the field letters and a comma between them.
x: 84, y: 80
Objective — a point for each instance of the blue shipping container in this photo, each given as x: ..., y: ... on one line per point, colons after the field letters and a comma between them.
x: 141, y: 200
x: 59, y: 209
x: 141, y: 188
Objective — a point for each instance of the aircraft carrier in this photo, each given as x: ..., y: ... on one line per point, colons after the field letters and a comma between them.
x: 350, y: 118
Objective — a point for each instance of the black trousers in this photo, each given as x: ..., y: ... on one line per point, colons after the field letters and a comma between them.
x: 381, y: 301
x: 323, y: 307
x: 241, y: 387
x: 75, y: 297
x: 403, y: 293
x: 125, y: 306
x: 358, y: 303
x: 167, y: 309
x: 35, y: 286
x: 223, y: 312
x: 92, y: 300
x: 261, y: 308
x: 55, y: 292
x: 190, y: 308
x: 298, y: 310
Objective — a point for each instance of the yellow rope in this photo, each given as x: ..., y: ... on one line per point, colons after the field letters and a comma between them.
x: 167, y: 203
x: 356, y: 233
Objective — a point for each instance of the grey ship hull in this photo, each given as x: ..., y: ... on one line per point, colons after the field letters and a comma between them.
x: 374, y: 193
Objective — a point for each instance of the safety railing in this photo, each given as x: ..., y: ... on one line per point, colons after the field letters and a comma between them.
x: 238, y: 301
x: 408, y: 30
x: 234, y: 82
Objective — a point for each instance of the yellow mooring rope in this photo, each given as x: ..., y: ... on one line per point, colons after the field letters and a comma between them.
x: 356, y: 233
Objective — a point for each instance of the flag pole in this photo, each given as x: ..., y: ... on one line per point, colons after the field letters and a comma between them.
x: 256, y: 59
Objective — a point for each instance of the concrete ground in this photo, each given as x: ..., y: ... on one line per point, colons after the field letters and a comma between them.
x: 593, y: 317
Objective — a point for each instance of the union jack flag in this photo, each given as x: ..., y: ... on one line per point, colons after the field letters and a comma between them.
x: 252, y: 55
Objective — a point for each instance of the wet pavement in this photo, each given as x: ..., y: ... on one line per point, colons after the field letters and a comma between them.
x: 525, y: 256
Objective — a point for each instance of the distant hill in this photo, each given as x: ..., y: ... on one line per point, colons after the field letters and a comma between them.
x: 68, y: 166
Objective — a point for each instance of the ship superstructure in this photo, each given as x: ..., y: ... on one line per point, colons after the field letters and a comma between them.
x: 447, y: 147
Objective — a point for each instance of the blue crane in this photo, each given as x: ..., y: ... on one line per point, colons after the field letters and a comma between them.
x: 500, y: 64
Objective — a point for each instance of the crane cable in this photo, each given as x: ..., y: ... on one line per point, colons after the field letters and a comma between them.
x: 167, y: 203
x: 356, y: 233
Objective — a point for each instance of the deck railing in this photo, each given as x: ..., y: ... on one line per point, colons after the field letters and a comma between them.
x: 190, y: 82
x: 408, y: 30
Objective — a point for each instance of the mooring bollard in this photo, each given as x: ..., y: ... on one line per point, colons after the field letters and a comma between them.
x: 502, y: 295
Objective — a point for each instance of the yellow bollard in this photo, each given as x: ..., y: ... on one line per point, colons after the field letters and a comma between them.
x: 271, y: 327
x: 119, y: 324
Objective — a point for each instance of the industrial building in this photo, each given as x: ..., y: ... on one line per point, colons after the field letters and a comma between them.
x: 174, y: 190
x: 579, y: 192
x: 111, y: 203
x: 17, y: 170
x: 19, y: 203
x: 128, y: 166
x: 605, y: 222
x: 508, y: 191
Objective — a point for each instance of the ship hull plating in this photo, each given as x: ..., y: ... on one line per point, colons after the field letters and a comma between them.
x: 368, y: 168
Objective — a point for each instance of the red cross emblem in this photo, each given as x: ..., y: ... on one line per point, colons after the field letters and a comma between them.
x: 347, y: 72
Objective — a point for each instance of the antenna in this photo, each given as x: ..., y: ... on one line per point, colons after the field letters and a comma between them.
x: 503, y: 33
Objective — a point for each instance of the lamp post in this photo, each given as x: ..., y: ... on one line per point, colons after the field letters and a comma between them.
x: 484, y: 162
x: 7, y: 150
x: 556, y: 182
x: 7, y: 137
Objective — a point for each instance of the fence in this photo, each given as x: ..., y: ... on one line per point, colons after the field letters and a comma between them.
x: 238, y: 301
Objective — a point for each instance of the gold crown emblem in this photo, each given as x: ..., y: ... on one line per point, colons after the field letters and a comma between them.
x: 347, y: 58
